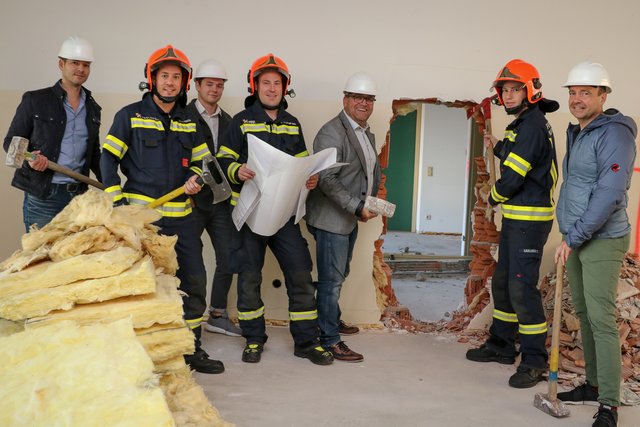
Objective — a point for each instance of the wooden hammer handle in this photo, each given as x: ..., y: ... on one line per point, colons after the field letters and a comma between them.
x: 555, y: 333
x: 66, y: 171
x: 73, y: 174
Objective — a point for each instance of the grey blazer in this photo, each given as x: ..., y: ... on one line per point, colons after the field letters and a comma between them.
x: 332, y: 205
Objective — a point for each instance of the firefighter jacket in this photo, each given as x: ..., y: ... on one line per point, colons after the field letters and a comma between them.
x: 283, y: 133
x: 204, y: 199
x: 157, y: 152
x: 41, y: 118
x: 597, y: 172
x: 527, y: 167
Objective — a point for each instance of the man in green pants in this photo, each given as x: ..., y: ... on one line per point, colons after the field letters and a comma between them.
x: 592, y: 217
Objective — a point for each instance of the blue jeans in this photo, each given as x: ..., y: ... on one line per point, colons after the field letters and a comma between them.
x: 41, y: 211
x: 333, y: 256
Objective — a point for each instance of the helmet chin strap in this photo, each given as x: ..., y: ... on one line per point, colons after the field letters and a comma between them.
x: 517, y: 110
x: 270, y: 107
x: 166, y: 99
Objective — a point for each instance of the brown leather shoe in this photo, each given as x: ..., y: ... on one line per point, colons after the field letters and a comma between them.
x: 345, y: 329
x: 343, y: 353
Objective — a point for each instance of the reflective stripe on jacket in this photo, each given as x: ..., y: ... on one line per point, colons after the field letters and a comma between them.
x: 528, y: 168
x: 156, y: 152
x: 284, y: 133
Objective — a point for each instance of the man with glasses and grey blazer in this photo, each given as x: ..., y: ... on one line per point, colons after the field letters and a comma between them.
x: 336, y: 205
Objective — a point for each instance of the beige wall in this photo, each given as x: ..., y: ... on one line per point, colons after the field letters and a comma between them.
x: 414, y: 49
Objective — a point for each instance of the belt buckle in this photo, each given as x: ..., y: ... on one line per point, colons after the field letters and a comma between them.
x: 73, y: 187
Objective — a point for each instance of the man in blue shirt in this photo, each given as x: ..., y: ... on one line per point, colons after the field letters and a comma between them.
x: 62, y: 124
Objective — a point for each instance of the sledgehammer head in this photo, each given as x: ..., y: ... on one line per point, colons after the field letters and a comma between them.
x: 554, y: 407
x: 17, y: 152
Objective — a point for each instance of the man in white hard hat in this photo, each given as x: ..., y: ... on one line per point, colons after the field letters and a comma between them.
x: 593, y: 220
x: 337, y: 204
x: 62, y: 123
x: 212, y: 121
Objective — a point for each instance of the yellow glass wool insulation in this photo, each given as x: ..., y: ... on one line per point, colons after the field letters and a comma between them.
x: 84, y: 211
x: 138, y: 280
x: 8, y: 327
x: 187, y: 401
x: 66, y: 375
x: 51, y: 274
x: 161, y: 249
x: 164, y: 342
x: 129, y: 234
x: 20, y: 260
x: 134, y: 215
x: 169, y: 365
x: 91, y: 240
x: 164, y: 306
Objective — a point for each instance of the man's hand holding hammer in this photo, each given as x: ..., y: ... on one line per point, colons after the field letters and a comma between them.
x: 40, y: 163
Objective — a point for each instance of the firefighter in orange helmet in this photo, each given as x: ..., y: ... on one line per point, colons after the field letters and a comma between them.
x: 525, y: 189
x: 154, y: 143
x: 266, y: 118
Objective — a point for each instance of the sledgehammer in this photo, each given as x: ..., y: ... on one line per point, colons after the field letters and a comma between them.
x: 549, y: 402
x: 17, y: 154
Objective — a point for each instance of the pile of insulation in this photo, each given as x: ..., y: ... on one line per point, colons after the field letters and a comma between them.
x: 91, y: 324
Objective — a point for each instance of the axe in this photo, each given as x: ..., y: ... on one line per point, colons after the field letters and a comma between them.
x: 17, y: 154
x: 211, y: 175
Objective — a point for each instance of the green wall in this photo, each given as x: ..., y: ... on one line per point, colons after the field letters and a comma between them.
x: 402, y: 149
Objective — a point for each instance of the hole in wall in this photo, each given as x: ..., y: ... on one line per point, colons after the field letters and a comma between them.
x: 430, y: 174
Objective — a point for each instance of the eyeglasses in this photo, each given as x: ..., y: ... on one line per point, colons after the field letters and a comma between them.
x: 513, y: 89
x: 358, y: 98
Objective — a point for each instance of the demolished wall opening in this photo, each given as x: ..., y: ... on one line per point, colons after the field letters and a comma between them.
x: 446, y: 144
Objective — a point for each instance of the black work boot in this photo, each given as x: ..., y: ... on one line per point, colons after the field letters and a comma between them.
x: 315, y: 353
x: 252, y: 352
x: 526, y: 377
x: 607, y: 416
x: 584, y: 394
x: 200, y: 362
x: 484, y: 354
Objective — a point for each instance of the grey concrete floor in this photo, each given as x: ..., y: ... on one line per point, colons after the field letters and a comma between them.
x: 406, y: 380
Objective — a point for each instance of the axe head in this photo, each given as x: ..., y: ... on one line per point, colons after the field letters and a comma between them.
x: 16, y: 152
x: 214, y: 177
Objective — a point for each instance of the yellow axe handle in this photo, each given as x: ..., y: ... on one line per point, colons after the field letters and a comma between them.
x: 166, y: 198
x: 170, y: 196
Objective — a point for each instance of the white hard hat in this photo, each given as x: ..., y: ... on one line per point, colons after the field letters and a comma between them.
x: 361, y: 83
x: 212, y: 69
x: 76, y: 48
x: 589, y: 74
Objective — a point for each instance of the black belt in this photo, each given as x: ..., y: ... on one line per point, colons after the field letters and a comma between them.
x: 71, y: 187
